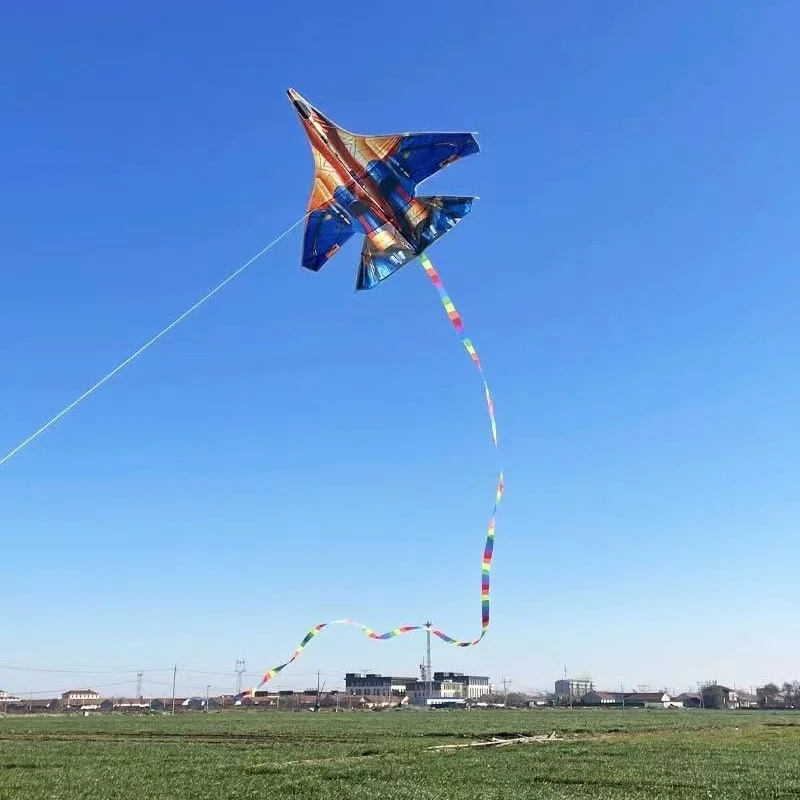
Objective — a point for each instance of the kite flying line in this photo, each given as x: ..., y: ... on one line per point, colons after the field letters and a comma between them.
x: 92, y: 389
x: 486, y: 565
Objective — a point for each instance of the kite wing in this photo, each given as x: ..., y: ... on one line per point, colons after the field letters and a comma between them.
x: 420, y: 155
x: 327, y: 230
x: 328, y: 226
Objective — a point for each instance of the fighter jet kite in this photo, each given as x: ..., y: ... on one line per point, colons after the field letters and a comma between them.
x: 366, y: 184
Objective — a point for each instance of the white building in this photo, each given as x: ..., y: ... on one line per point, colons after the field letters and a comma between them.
x: 375, y: 685
x: 630, y: 699
x: 596, y: 698
x: 472, y: 686
x: 6, y: 697
x: 80, y: 697
x: 439, y: 690
x: 651, y: 700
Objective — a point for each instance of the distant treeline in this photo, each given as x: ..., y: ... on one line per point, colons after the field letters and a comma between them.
x: 787, y: 695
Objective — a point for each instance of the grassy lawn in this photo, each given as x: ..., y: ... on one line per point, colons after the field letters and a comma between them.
x: 605, y: 754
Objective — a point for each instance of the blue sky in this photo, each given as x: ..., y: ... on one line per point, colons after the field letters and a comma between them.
x: 294, y: 452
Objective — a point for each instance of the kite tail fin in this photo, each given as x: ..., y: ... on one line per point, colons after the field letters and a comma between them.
x: 384, y: 252
x: 440, y: 215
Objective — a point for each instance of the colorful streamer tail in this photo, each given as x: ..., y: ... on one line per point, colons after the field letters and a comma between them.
x: 486, y: 565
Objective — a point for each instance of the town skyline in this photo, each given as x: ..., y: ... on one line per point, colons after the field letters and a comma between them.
x: 40, y: 681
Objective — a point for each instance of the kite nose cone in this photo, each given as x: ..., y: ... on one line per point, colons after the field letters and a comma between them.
x: 301, y: 106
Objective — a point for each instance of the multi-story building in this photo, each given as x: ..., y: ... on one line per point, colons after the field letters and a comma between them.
x: 376, y: 685
x: 80, y: 697
x: 472, y: 686
x: 453, y: 686
x: 572, y: 688
x: 439, y: 690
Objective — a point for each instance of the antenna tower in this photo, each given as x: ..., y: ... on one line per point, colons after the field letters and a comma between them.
x: 239, y: 671
x: 428, y: 672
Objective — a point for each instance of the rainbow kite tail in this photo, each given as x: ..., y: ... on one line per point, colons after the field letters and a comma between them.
x: 488, y: 550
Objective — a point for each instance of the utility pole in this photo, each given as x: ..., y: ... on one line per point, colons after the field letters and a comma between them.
x: 506, y: 682
x: 622, y: 695
x: 174, y: 675
x: 319, y: 692
x: 208, y: 692
x: 139, y: 694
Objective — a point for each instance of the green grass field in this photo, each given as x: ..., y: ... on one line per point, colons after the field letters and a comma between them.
x: 605, y: 754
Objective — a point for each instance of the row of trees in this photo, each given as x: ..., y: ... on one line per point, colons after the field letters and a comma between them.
x: 785, y: 696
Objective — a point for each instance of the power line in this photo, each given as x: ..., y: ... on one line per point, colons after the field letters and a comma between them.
x: 52, y: 692
x: 78, y: 671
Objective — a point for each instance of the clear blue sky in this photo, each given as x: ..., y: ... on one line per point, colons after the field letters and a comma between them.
x: 295, y: 453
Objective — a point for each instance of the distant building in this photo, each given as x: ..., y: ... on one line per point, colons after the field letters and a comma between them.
x: 572, y: 689
x: 472, y: 686
x: 448, y: 687
x: 442, y: 693
x: 131, y: 704
x: 80, y: 697
x: 748, y: 700
x: 650, y: 700
x: 690, y: 699
x: 596, y: 698
x: 439, y: 690
x: 368, y: 701
x: 715, y: 695
x: 632, y: 699
x: 7, y: 697
x: 770, y: 700
x: 537, y: 701
x: 376, y: 685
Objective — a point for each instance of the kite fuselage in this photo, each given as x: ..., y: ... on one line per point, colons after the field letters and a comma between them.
x: 359, y: 178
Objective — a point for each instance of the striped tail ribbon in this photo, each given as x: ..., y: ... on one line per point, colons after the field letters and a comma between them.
x: 486, y: 564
